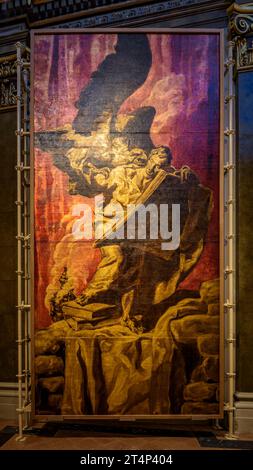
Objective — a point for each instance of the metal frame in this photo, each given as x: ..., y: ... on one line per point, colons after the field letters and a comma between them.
x: 230, y: 242
x: 23, y: 237
x: 182, y: 31
x: 24, y: 277
x: 240, y: 47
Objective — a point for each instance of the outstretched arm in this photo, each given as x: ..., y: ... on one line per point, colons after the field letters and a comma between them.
x: 84, y: 177
x: 69, y: 153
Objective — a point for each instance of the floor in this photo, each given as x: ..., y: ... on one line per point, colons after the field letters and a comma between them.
x: 183, y: 440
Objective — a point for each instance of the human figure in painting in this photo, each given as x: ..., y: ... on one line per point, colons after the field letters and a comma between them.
x: 136, y: 277
x: 128, y: 176
x: 123, y: 269
x: 103, y: 152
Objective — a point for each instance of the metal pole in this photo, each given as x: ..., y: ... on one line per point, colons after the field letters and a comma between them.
x: 19, y: 241
x: 26, y: 247
x: 23, y: 272
x: 230, y: 270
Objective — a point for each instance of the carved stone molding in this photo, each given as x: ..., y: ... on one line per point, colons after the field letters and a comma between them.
x: 241, y: 19
x: 244, y: 51
x: 139, y: 12
x: 8, y: 82
x: 241, y: 31
x: 97, y: 12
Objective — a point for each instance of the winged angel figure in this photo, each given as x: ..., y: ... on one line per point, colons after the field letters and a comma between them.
x: 107, y: 152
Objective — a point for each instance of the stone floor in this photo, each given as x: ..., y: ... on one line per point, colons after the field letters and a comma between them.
x: 103, y: 441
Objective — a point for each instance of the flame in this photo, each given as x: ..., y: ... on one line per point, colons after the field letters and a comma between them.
x: 176, y: 86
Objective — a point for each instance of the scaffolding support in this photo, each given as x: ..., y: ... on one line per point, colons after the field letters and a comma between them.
x: 23, y: 237
x: 230, y: 240
x: 23, y: 242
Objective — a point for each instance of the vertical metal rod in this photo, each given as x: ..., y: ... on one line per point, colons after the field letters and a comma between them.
x: 23, y: 269
x: 19, y: 241
x: 26, y: 250
x: 231, y: 300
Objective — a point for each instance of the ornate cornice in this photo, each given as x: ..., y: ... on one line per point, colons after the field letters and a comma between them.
x: 55, y: 8
x: 241, y: 32
x: 139, y: 14
x: 8, y: 82
x: 38, y: 13
x: 241, y: 19
x: 244, y: 53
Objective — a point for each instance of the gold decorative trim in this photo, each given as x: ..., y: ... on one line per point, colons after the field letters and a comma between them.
x: 246, y: 8
x: 8, y: 85
x: 241, y: 19
x: 241, y: 32
x: 8, y: 58
x: 244, y: 50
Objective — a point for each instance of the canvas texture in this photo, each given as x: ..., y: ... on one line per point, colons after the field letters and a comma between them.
x: 122, y: 324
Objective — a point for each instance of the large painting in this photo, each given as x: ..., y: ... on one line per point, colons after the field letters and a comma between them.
x: 126, y: 161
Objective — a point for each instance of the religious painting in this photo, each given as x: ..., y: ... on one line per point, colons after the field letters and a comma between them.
x: 126, y: 158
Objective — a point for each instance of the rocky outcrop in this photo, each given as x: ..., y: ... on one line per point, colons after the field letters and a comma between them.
x: 196, y: 334
x: 211, y: 368
x: 200, y: 408
x: 208, y: 344
x: 214, y: 309
x: 189, y: 328
x: 210, y: 291
x: 52, y: 384
x: 50, y: 340
x: 198, y: 374
x: 49, y: 365
x: 200, y: 391
x: 55, y: 401
x: 173, y: 369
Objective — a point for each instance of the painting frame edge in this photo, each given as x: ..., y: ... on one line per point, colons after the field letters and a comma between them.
x: 194, y: 417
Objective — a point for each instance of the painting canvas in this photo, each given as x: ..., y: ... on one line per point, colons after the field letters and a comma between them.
x: 126, y: 157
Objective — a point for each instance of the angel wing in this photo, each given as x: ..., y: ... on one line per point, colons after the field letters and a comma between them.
x: 117, y: 78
